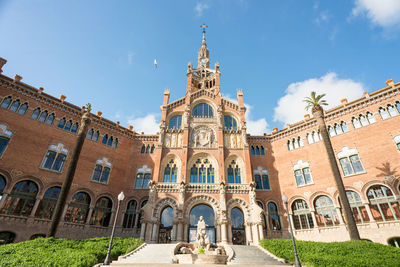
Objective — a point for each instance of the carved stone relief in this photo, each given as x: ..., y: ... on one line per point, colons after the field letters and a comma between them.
x: 203, y: 136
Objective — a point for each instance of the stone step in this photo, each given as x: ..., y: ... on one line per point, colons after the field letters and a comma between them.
x: 252, y: 255
x: 150, y: 253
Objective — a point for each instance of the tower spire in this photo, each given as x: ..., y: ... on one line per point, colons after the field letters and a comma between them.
x: 203, y: 60
x: 203, y: 42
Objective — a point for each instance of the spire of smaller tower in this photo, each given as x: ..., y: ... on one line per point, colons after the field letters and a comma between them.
x: 203, y: 60
x: 203, y: 42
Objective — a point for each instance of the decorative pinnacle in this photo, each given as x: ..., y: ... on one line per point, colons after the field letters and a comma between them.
x: 204, y: 26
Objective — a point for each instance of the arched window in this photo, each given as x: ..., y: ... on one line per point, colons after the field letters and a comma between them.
x: 303, y: 176
x: 102, y: 212
x: 358, y: 208
x: 110, y: 141
x: 105, y: 139
x: 398, y: 106
x: 68, y: 125
x: 262, y: 182
x: 394, y: 242
x: 3, y: 143
x: 338, y: 129
x: 290, y: 145
x: 130, y: 214
x: 15, y: 105
x: 54, y: 160
x: 90, y: 134
x: 48, y: 203
x: 144, y: 202
x: 302, y: 218
x: 257, y: 150
x: 363, y: 120
x: 142, y: 180
x: 143, y: 150
x: 371, y: 118
x: 170, y: 172
x: 356, y: 123
x: 175, y: 122
x: 351, y: 165
x: 202, y: 171
x: 392, y: 111
x: 230, y: 123
x: 310, y: 139
x: 384, y: 114
x: 238, y: 230
x: 78, y: 208
x: 101, y: 174
x: 96, y: 136
x: 300, y: 141
x: 202, y: 110
x: 252, y: 150
x: 167, y: 215
x: 325, y: 212
x: 43, y: 116
x: 262, y: 150
x: 234, y: 175
x: 383, y: 204
x: 35, y: 114
x: 152, y: 149
x: 21, y: 199
x: 6, y: 102
x: 331, y: 131
x: 316, y: 136
x: 8, y: 237
x: 61, y: 123
x: 74, y: 128
x: 50, y: 119
x: 2, y: 185
x: 148, y: 149
x: 115, y: 143
x: 263, y: 215
x: 296, y: 144
x: 345, y: 129
x: 22, y: 110
x: 273, y: 216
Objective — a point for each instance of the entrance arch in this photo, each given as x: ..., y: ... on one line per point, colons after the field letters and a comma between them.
x: 164, y: 234
x: 209, y: 217
x: 238, y: 230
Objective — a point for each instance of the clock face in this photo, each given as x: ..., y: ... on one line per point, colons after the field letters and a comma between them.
x: 204, y: 60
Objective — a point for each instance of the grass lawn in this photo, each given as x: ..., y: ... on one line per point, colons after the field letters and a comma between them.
x: 64, y: 252
x: 350, y: 253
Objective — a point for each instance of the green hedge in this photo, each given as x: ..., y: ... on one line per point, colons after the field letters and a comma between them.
x: 64, y: 252
x: 350, y: 253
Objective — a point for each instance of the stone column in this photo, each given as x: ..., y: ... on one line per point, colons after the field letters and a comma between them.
x: 341, y: 222
x: 186, y: 232
x: 32, y: 215
x: 249, y: 237
x: 149, y: 229
x: 254, y: 230
x: 218, y: 234
x: 89, y: 215
x: 223, y: 232
x: 230, y: 236
x: 368, y: 208
x: 3, y: 199
x: 173, y: 232
x: 314, y: 219
x: 180, y: 232
x: 135, y: 224
x: 154, y: 235
x: 261, y: 231
x: 143, y: 231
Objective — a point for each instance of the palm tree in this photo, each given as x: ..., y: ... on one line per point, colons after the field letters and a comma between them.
x: 315, y: 102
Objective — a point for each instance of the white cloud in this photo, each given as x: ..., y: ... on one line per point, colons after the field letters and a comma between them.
x: 384, y: 13
x: 323, y: 16
x: 290, y: 108
x: 148, y: 124
x: 254, y: 127
x: 130, y: 57
x: 200, y: 7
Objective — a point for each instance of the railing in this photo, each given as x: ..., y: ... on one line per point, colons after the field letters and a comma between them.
x: 199, y: 188
x: 167, y: 187
x: 238, y: 188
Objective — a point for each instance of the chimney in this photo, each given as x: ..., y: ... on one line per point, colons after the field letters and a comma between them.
x: 98, y: 113
x: 166, y: 97
x: 240, y: 97
x: 41, y: 89
x: 62, y: 98
x: 17, y: 78
x: 117, y: 123
x: 130, y: 128
x: 274, y: 130
x: 390, y: 82
x: 2, y: 63
x: 344, y: 101
x: 366, y: 94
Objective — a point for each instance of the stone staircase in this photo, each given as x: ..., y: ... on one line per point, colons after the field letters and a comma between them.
x: 157, y: 255
x: 252, y: 255
x: 149, y: 253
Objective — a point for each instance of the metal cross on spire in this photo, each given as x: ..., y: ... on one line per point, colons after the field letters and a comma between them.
x: 204, y: 26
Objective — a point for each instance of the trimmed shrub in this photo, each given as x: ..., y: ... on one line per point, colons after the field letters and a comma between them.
x: 350, y: 253
x: 64, y: 252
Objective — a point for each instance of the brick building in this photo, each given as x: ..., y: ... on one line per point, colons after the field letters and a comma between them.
x: 202, y: 162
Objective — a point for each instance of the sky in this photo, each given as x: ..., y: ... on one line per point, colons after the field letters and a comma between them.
x: 102, y: 52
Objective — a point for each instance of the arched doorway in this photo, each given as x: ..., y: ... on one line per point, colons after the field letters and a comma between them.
x: 167, y: 215
x: 208, y: 214
x: 238, y: 231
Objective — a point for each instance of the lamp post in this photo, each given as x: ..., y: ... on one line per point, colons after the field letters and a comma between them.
x: 296, y: 258
x: 121, y: 197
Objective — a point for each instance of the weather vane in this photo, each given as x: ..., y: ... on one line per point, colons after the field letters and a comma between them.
x: 204, y: 26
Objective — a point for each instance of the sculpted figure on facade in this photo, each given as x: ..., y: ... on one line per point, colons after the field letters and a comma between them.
x: 186, y: 116
x: 203, y: 136
x: 162, y: 133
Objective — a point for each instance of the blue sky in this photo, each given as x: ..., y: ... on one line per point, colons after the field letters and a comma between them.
x: 102, y: 52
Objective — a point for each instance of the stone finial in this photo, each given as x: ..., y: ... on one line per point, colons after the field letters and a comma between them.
x: 390, y: 82
x: 2, y: 63
x: 344, y: 101
x: 98, y: 113
x: 17, y: 78
x: 366, y: 94
x: 130, y: 128
x: 41, y: 89
x: 274, y: 130
x: 142, y: 132
x: 306, y: 116
x: 117, y: 123
x: 62, y: 98
x: 265, y: 134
